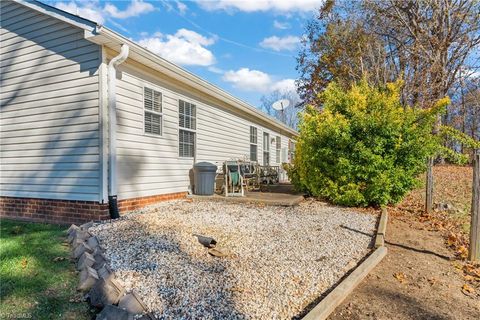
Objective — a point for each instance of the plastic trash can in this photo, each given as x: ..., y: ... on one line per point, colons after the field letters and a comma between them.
x: 204, y: 174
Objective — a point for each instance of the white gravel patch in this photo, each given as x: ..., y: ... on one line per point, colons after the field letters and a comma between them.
x: 279, y: 260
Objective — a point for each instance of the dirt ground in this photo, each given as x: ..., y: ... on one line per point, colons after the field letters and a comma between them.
x: 418, y: 279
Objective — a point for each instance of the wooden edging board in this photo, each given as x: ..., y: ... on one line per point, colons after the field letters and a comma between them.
x: 382, y: 229
x: 336, y: 297
x: 322, y: 310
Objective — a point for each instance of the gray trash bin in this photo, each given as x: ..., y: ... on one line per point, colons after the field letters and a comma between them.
x: 204, y: 174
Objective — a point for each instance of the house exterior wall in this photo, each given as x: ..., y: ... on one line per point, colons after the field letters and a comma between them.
x: 53, y: 125
x: 49, y: 139
x: 150, y: 165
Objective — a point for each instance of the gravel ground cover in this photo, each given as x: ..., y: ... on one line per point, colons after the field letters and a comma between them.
x: 279, y: 259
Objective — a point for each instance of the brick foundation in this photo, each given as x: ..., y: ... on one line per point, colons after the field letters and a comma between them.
x: 52, y: 211
x: 72, y: 211
x: 137, y: 203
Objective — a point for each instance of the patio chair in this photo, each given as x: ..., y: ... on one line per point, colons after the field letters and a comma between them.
x: 234, y: 179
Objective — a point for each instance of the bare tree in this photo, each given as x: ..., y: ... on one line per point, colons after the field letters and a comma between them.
x: 289, y: 116
x: 430, y: 41
x: 425, y: 43
x: 338, y: 47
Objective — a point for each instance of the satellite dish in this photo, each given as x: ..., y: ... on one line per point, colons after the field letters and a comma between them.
x: 281, y: 105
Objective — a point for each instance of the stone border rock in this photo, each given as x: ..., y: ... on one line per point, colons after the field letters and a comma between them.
x: 328, y: 304
x: 99, y: 284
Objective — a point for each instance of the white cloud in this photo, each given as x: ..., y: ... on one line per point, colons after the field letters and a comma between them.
x: 278, y: 44
x: 91, y: 9
x: 257, y: 81
x: 281, y: 25
x: 261, y: 5
x: 194, y: 37
x: 185, y: 47
x: 134, y: 9
x: 248, y: 80
x: 284, y: 85
x: 182, y: 7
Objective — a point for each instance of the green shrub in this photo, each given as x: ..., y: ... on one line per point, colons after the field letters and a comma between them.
x: 363, y: 148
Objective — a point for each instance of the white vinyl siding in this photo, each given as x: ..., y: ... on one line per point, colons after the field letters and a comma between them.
x: 147, y: 165
x: 49, y: 140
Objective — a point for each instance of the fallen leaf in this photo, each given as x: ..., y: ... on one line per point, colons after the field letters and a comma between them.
x: 452, y: 239
x: 462, y: 252
x: 458, y: 266
x: 468, y: 278
x: 473, y: 270
x: 400, y: 276
x: 467, y: 290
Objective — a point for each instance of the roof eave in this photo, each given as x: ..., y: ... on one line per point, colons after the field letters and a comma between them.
x: 104, y: 36
x: 59, y: 14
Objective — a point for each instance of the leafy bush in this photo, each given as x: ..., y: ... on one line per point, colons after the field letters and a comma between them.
x: 363, y: 148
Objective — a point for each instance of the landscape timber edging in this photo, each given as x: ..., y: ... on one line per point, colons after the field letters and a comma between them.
x: 382, y: 229
x: 328, y: 304
x: 337, y: 295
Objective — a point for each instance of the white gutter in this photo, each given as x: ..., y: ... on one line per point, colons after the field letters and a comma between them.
x: 112, y: 124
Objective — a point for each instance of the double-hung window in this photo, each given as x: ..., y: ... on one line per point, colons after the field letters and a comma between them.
x: 266, y: 149
x: 253, y: 144
x: 278, y: 148
x: 291, y: 150
x: 187, y: 123
x: 152, y: 103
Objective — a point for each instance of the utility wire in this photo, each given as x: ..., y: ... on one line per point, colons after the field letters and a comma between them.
x: 196, y: 25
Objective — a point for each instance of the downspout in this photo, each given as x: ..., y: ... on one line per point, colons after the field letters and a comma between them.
x: 112, y: 132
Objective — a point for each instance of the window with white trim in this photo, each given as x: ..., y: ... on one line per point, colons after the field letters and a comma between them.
x: 278, y: 148
x: 152, y: 103
x: 291, y: 150
x: 253, y: 144
x: 187, y: 123
x: 266, y: 149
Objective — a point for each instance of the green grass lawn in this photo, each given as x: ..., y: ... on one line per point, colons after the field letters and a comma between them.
x: 37, y: 280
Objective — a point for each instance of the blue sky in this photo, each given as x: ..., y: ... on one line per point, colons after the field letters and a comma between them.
x: 246, y: 47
